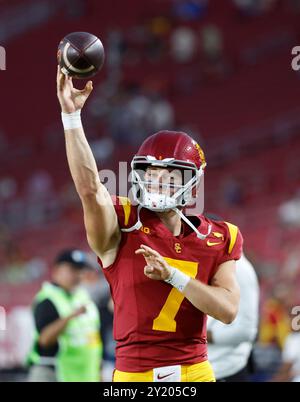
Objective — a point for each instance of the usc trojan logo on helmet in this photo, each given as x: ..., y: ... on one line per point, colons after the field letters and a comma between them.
x: 201, y: 153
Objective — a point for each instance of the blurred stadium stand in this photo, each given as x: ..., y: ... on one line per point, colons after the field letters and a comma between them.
x: 233, y: 90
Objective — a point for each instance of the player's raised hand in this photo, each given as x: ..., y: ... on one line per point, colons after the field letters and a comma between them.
x: 70, y: 98
x: 157, y: 268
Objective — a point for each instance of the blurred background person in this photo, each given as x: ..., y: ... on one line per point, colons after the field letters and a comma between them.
x: 275, y: 325
x: 67, y: 345
x: 94, y: 283
x: 230, y: 346
x: 289, y: 370
x: 274, y: 329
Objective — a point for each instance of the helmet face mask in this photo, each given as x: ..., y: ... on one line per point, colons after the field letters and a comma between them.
x: 166, y: 171
x: 161, y: 185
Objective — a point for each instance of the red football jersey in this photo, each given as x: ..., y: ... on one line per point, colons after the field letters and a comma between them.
x: 154, y: 324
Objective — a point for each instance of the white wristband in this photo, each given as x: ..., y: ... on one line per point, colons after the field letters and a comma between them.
x: 71, y: 120
x: 178, y: 279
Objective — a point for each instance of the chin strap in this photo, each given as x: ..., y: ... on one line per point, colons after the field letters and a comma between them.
x: 139, y: 224
x: 188, y: 222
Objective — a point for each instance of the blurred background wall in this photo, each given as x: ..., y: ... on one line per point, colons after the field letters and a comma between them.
x: 219, y: 70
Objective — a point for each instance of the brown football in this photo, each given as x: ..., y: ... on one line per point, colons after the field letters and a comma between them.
x: 80, y: 54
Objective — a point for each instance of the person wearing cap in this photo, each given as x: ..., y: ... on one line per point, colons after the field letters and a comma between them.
x: 67, y: 345
x: 230, y: 347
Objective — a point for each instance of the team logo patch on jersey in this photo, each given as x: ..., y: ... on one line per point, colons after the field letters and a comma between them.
x: 145, y: 229
x: 212, y: 243
x: 177, y: 247
x: 220, y: 238
x: 218, y: 235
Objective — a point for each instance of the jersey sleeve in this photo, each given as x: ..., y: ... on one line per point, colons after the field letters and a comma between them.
x: 126, y: 214
x: 125, y: 211
x: 44, y: 314
x: 234, y: 244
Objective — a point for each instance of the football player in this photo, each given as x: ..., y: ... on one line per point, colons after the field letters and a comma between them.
x: 166, y: 271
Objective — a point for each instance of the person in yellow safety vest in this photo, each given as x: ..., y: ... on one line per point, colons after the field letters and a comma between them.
x: 67, y: 345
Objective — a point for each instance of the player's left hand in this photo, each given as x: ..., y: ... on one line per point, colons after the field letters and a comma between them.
x: 157, y: 268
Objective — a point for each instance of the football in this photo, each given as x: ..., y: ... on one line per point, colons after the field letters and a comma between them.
x: 80, y: 54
